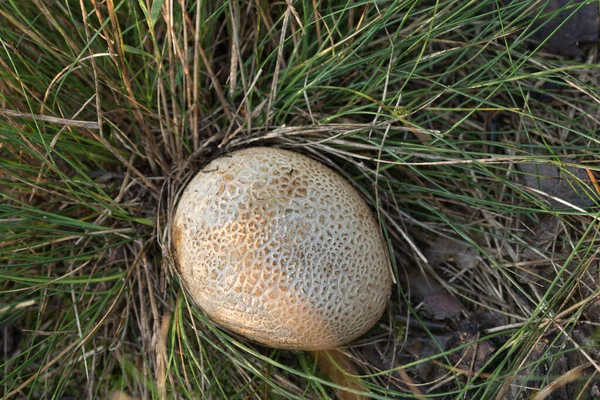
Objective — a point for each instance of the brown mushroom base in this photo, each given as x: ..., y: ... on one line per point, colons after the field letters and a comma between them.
x: 341, y: 371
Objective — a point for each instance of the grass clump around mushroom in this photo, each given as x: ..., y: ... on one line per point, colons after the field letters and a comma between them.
x: 445, y: 116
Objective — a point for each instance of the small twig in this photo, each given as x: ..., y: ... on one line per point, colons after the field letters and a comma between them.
x: 578, y: 347
x: 465, y: 372
x: 18, y: 306
x: 235, y: 46
x: 52, y: 120
x: 570, y: 376
x: 161, y: 355
x: 279, y: 62
x: 410, y: 383
x: 593, y: 179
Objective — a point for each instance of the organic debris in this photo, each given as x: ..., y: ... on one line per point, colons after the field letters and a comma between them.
x: 563, y: 187
x: 475, y: 354
x: 438, y: 304
x: 444, y: 325
x: 541, y: 249
x: 558, y: 368
x: 564, y: 25
x: 10, y: 337
x: 433, y: 374
x: 443, y: 250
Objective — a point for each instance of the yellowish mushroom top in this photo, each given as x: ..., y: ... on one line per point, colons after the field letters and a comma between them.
x: 279, y: 248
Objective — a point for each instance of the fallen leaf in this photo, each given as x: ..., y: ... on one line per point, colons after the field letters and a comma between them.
x: 438, y: 304
x: 476, y: 354
x: 444, y: 250
x: 564, y: 24
x: 595, y: 391
x: 541, y: 242
x: 423, y: 347
x: 569, y: 184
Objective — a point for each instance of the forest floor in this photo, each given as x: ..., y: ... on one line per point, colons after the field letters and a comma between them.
x: 471, y: 128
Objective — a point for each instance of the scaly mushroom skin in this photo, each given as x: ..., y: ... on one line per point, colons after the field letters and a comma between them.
x: 279, y: 248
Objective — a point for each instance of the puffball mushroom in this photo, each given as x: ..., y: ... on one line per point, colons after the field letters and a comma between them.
x: 279, y: 248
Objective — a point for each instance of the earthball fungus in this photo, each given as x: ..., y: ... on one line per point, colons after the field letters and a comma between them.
x: 281, y: 249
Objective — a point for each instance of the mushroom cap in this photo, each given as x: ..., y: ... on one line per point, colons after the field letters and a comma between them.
x: 281, y: 249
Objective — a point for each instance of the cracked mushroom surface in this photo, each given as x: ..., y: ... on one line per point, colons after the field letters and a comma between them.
x: 281, y: 249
